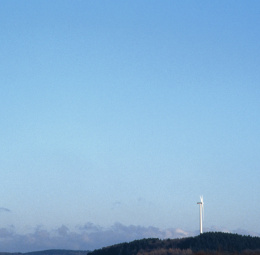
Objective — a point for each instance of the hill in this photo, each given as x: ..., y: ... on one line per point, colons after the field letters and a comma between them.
x: 57, y: 252
x: 207, y: 243
x: 49, y: 252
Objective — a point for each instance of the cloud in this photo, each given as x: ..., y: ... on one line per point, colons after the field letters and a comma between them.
x: 90, y: 227
x: 84, y: 237
x: 63, y: 230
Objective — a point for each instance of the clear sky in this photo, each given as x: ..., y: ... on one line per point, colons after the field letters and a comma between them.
x: 122, y: 113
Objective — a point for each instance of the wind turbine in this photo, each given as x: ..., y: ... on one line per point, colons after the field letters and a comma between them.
x: 201, y: 203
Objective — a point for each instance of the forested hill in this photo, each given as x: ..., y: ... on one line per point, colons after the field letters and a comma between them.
x: 207, y: 243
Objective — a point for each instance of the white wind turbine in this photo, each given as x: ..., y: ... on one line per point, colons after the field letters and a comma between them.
x: 201, y: 203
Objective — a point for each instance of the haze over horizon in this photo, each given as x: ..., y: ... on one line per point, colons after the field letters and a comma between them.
x: 117, y: 116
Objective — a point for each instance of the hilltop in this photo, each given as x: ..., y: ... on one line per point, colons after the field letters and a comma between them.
x: 207, y: 243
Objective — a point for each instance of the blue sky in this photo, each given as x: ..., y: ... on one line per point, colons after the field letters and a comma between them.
x: 126, y: 112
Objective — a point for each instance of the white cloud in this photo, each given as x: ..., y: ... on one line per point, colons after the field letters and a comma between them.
x: 181, y: 232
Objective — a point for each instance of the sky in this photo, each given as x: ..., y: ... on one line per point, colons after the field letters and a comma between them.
x: 117, y: 115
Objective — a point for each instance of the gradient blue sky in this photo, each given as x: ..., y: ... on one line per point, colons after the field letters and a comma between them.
x: 128, y: 111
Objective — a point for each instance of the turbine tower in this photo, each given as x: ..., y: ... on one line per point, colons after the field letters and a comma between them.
x: 201, y: 203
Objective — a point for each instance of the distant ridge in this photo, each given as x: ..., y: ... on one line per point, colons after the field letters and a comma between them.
x: 57, y: 252
x: 48, y: 252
